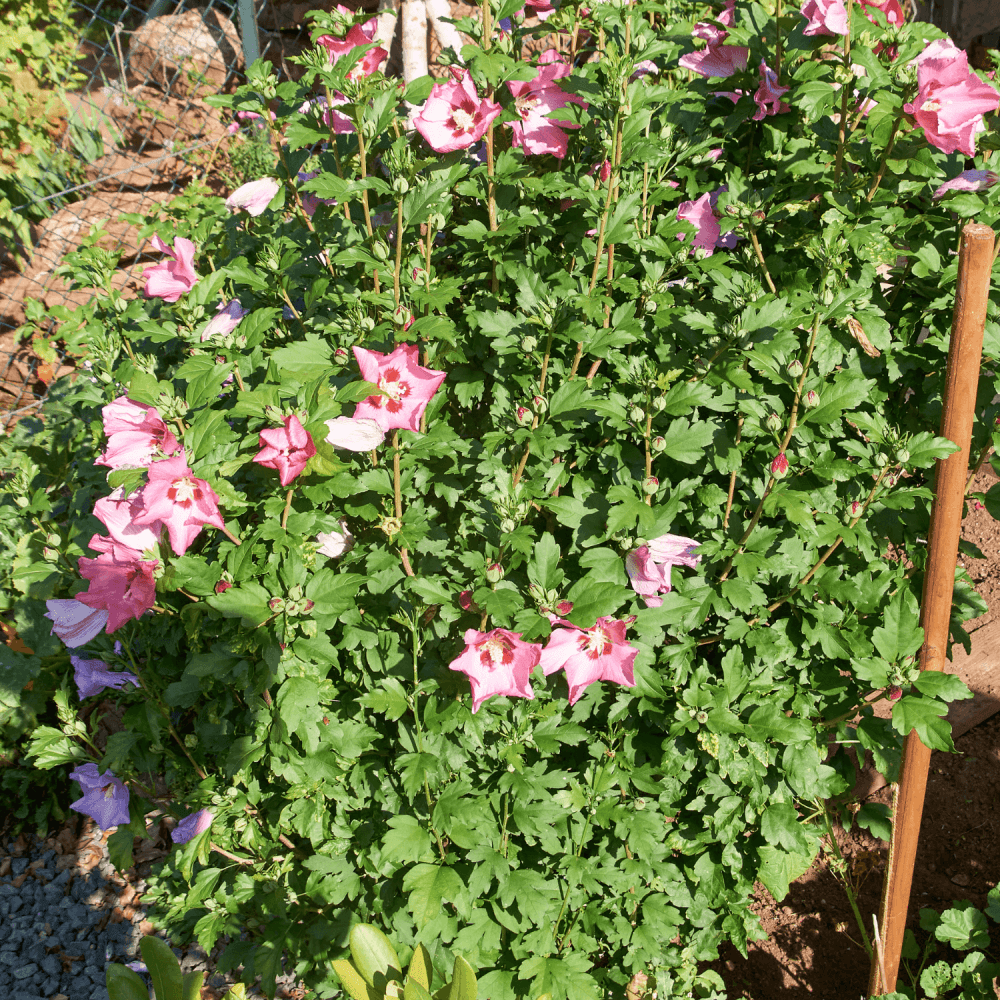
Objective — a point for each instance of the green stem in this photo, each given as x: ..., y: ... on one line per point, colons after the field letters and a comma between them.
x: 839, y: 870
x: 399, y: 252
x: 288, y: 507
x: 763, y: 263
x: 777, y: 43
x: 519, y: 471
x: 885, y: 157
x: 844, y: 99
x: 397, y: 493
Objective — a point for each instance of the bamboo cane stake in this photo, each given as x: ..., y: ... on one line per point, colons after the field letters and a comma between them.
x: 961, y: 383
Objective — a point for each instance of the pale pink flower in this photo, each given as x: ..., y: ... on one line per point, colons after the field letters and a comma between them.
x: 535, y: 100
x: 74, y: 622
x: 355, y: 433
x: 286, y: 449
x: 645, y: 68
x: 825, y: 17
x: 121, y: 581
x: 330, y: 116
x: 497, y: 663
x: 171, y: 279
x: 406, y: 384
x: 335, y: 543
x: 951, y: 99
x: 768, y: 96
x: 226, y: 319
x: 136, y: 434
x: 117, y: 513
x: 254, y: 196
x: 601, y: 653
x: 453, y: 117
x: 701, y: 215
x: 712, y: 34
x: 174, y: 496
x: 189, y: 827
x: 892, y: 10
x: 542, y: 9
x: 360, y: 34
x: 648, y: 567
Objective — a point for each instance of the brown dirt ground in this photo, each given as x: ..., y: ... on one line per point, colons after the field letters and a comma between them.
x: 812, y: 950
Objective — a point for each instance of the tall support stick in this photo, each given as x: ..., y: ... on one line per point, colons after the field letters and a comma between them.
x: 974, y: 266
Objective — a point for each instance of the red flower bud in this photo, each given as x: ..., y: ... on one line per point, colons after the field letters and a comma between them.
x: 895, y: 692
x: 779, y: 467
x: 222, y: 586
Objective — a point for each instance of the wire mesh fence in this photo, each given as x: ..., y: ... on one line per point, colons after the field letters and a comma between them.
x: 135, y: 131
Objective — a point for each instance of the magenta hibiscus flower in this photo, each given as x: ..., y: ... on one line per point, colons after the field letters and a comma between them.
x: 172, y: 278
x: 121, y: 581
x: 105, y: 798
x: 453, y: 117
x: 360, y: 34
x: 287, y: 449
x: 648, y: 567
x: 968, y: 180
x: 497, y: 663
x: 825, y: 17
x: 768, y: 95
x: 118, y: 513
x: 717, y: 59
x: 601, y: 653
x: 407, y: 385
x: 535, y: 100
x: 183, y: 503
x: 951, y: 99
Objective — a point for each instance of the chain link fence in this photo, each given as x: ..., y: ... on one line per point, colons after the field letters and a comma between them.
x: 137, y: 131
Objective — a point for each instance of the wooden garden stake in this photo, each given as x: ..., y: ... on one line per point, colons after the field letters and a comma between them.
x: 975, y: 263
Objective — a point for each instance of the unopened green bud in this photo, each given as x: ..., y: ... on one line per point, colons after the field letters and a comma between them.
x: 658, y: 444
x: 539, y: 404
x: 380, y: 250
x: 529, y: 344
x: 772, y: 422
x: 881, y: 460
x: 903, y: 456
x: 659, y: 404
x: 795, y: 369
x: 400, y: 185
x: 650, y: 485
x: 637, y: 414
x: 190, y: 741
x: 494, y: 573
x: 810, y: 400
x: 507, y: 525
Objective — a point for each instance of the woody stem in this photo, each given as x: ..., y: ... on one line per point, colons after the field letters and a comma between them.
x: 288, y: 507
x: 397, y: 494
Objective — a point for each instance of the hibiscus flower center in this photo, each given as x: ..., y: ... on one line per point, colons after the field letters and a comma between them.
x: 463, y: 119
x: 395, y: 389
x: 495, y: 652
x: 184, y: 491
x: 109, y: 791
x: 525, y: 105
x: 595, y: 642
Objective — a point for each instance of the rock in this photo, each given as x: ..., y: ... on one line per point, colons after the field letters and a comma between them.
x: 961, y: 879
x: 177, y: 50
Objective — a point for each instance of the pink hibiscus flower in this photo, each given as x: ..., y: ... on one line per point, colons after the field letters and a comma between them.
x: 717, y: 59
x: 335, y: 543
x: 226, y: 319
x: 75, y: 623
x: 171, y: 279
x: 535, y: 100
x: 951, y: 99
x: 825, y: 17
x: 601, y: 653
x: 189, y: 827
x: 648, y: 567
x: 360, y: 34
x: 121, y: 581
x: 287, y: 449
x: 407, y: 385
x: 118, y: 513
x: 453, y: 117
x: 768, y: 96
x: 497, y: 663
x: 181, y: 501
x: 254, y: 196
x: 136, y: 434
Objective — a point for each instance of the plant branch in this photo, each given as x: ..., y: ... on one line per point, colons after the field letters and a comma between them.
x: 397, y: 494
x: 732, y: 477
x: 763, y: 263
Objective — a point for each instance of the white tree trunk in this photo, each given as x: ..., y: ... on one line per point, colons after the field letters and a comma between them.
x: 386, y: 27
x: 414, y: 40
x: 447, y: 34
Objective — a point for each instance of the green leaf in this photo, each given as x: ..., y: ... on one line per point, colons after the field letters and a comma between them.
x: 298, y: 704
x: 901, y: 634
x: 406, y: 841
x: 192, y: 985
x: 463, y: 983
x: 780, y: 826
x: 50, y: 748
x: 429, y: 886
x: 543, y: 569
x: 941, y: 685
x: 963, y: 927
x: 248, y: 602
x: 926, y: 717
x: 412, y: 990
x: 876, y: 819
x: 374, y: 956
x: 847, y: 390
x: 768, y: 722
x: 779, y: 868
x: 353, y: 982
x: 421, y: 970
x: 686, y: 442
x: 124, y: 984
x: 164, y: 969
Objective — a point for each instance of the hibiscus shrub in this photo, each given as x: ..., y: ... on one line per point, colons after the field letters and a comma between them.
x: 498, y: 525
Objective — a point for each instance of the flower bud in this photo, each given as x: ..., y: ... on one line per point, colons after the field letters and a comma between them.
x: 523, y: 416
x: 902, y: 456
x: 658, y: 444
x: 222, y: 586
x: 659, y: 404
x: 53, y: 539
x: 810, y: 400
x: 640, y: 541
x: 895, y: 692
x: 295, y: 592
x: 856, y: 509
x: 466, y: 603
x: 637, y: 414
x: 190, y: 741
x: 758, y: 215
x: 539, y: 404
x: 529, y: 344
x: 535, y: 592
x: 650, y: 485
x: 400, y: 185
x: 779, y: 467
x: 772, y: 422
x: 881, y: 460
x: 274, y: 414
x: 507, y: 525
x: 380, y: 251
x: 50, y: 554
x: 418, y: 274
x: 276, y: 604
x: 795, y: 368
x: 402, y: 316
x: 341, y: 356
x: 564, y: 607
x: 494, y: 573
